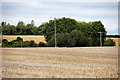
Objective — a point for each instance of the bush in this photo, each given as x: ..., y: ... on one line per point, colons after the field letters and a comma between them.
x: 51, y: 42
x: 19, y: 39
x: 26, y: 44
x: 79, y: 38
x: 19, y: 43
x: 109, y: 42
x: 41, y: 44
x: 33, y: 44
x: 64, y: 40
x: 73, y: 39
x: 16, y: 44
x: 4, y: 43
x: 94, y: 41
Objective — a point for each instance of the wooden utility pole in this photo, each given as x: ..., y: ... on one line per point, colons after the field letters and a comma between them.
x: 100, y: 38
x: 55, y: 31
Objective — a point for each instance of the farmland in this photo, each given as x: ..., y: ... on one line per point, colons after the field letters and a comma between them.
x: 36, y: 38
x: 40, y: 38
x: 116, y: 40
x: 79, y: 62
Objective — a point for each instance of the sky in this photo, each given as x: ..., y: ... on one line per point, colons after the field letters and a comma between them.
x: 43, y: 11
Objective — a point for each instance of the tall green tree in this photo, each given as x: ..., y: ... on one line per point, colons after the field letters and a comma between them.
x: 20, y: 28
x: 11, y: 30
x: 93, y: 31
x: 4, y: 28
x: 63, y: 25
x: 79, y: 38
x: 41, y: 28
x: 74, y: 39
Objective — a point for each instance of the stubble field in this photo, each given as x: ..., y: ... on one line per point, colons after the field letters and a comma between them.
x: 36, y: 38
x: 87, y: 62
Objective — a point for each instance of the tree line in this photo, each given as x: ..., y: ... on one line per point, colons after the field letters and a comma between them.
x: 20, y: 29
x: 20, y: 43
x: 67, y: 42
x: 88, y: 31
x: 115, y: 36
x: 69, y: 32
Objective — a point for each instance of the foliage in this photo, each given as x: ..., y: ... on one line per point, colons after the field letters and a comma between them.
x: 64, y: 40
x: 109, y: 42
x: 4, y: 43
x: 26, y: 44
x: 19, y: 39
x: 64, y: 26
x: 51, y: 42
x: 115, y: 36
x: 73, y: 39
x: 93, y: 32
x: 16, y: 44
x: 67, y: 25
x: 41, y: 44
x: 40, y: 29
x: 20, y: 29
x: 79, y: 38
x: 33, y: 44
x: 20, y: 43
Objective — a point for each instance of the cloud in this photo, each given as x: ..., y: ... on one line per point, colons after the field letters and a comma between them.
x: 61, y: 0
x: 81, y: 11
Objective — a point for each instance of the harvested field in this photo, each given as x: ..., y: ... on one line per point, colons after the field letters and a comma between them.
x: 36, y: 38
x: 87, y: 62
x: 116, y: 40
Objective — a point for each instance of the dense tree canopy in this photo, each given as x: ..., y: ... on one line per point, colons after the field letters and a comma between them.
x: 19, y: 29
x: 67, y: 25
x: 74, y: 39
x: 66, y: 28
x: 109, y: 42
x: 63, y: 25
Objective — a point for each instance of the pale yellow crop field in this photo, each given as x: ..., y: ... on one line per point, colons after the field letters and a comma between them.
x: 36, y: 38
x: 39, y: 38
x: 82, y: 62
x: 116, y: 40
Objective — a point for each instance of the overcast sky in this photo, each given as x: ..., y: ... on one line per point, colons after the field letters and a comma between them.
x: 43, y: 11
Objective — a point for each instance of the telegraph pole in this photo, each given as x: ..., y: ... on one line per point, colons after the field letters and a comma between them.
x: 100, y: 38
x: 55, y: 31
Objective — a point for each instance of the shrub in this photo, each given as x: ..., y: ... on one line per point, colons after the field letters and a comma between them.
x: 19, y: 39
x: 62, y: 40
x: 33, y: 44
x: 79, y: 38
x: 51, y: 42
x: 4, y: 43
x: 26, y: 44
x: 73, y: 39
x: 109, y: 42
x: 41, y: 44
x: 16, y: 44
x: 19, y: 43
x: 65, y: 40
